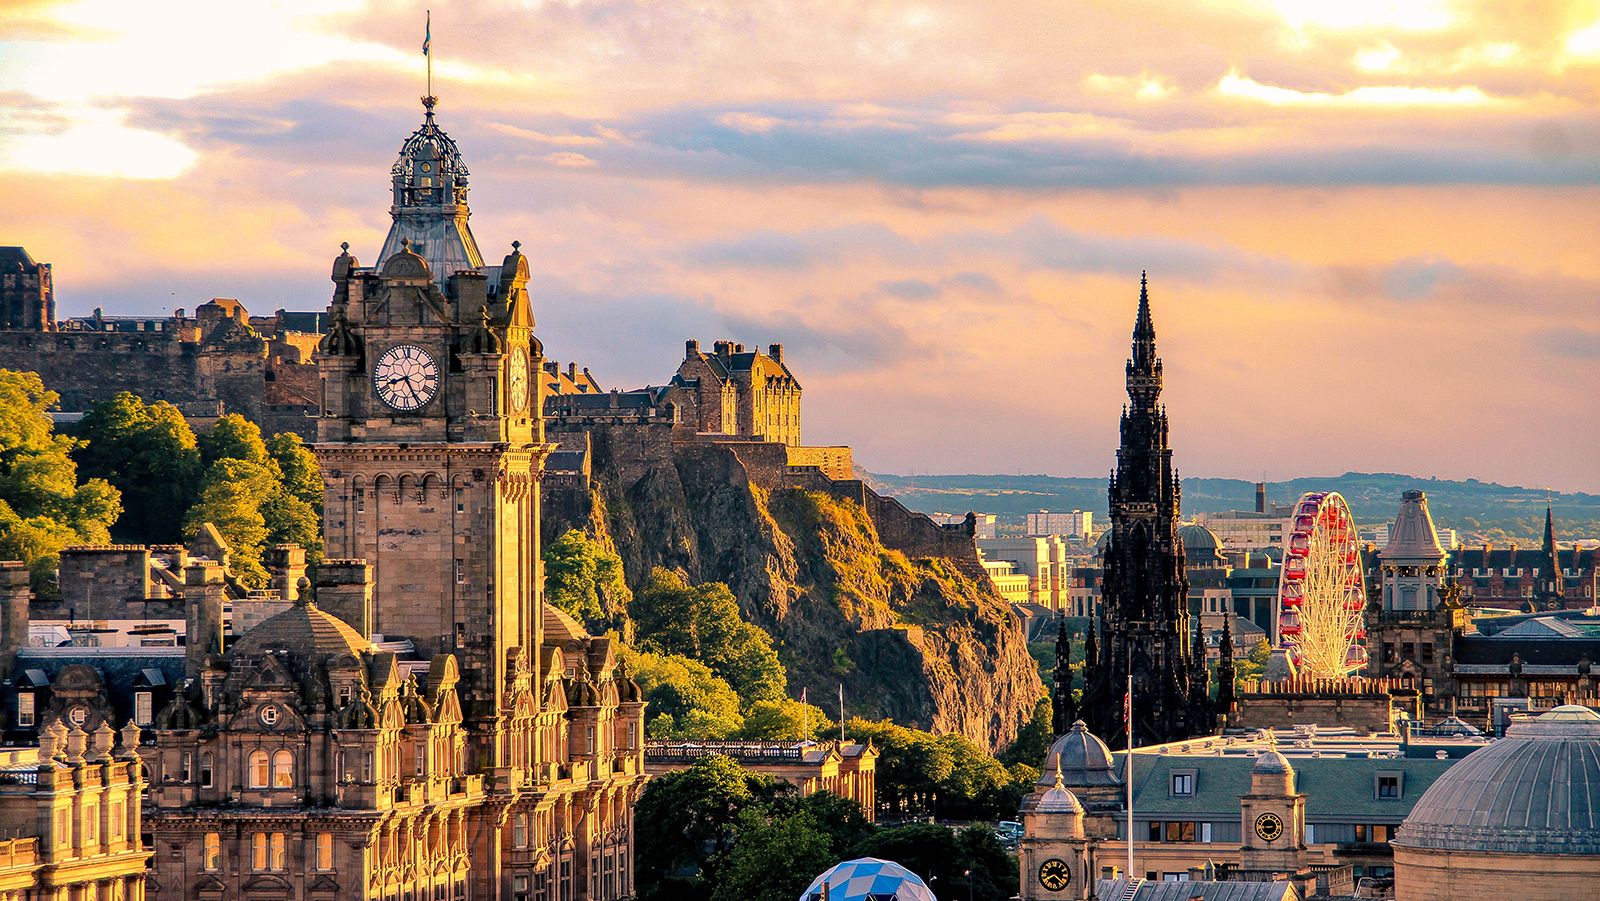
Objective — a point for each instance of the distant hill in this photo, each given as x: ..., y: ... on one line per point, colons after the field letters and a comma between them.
x: 1500, y: 513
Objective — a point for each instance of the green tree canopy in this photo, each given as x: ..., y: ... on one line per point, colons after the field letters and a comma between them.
x: 1251, y: 669
x: 776, y: 856
x: 149, y: 453
x: 43, y: 508
x: 943, y: 858
x: 233, y: 437
x: 685, y: 698
x: 785, y: 720
x: 298, y: 467
x: 703, y: 623
x: 231, y: 499
x: 585, y: 579
x: 1033, y: 739
x: 685, y: 825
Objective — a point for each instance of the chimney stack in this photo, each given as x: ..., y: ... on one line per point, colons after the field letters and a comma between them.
x: 287, y: 564
x: 13, y: 613
x: 344, y: 589
x: 690, y: 348
x: 203, y: 596
x: 1261, y: 497
x: 775, y: 351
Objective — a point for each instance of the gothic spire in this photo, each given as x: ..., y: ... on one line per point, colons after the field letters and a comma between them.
x: 1062, y: 711
x: 1550, y: 560
x: 1144, y: 367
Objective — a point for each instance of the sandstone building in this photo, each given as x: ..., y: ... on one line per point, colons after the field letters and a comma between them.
x: 27, y: 295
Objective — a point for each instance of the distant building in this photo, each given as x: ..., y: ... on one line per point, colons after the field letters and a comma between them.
x: 1044, y: 561
x: 985, y: 523
x: 27, y: 295
x: 744, y: 394
x: 1077, y: 524
x: 846, y: 769
x: 1013, y: 585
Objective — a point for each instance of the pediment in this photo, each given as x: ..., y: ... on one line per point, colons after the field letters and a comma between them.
x: 264, y: 882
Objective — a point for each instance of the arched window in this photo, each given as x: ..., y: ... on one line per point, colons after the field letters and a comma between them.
x: 259, y: 775
x: 213, y: 851
x: 279, y: 858
x: 283, y: 769
x: 258, y: 848
x: 206, y: 770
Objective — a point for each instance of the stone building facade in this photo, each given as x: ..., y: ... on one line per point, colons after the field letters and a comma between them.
x: 841, y: 768
x: 740, y: 393
x: 27, y: 294
x: 220, y: 361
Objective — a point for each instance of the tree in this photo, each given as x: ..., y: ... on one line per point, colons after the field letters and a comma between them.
x: 703, y: 623
x: 1033, y: 739
x: 233, y: 437
x: 774, y: 858
x: 149, y: 453
x: 686, y: 699
x: 585, y: 579
x: 785, y: 720
x: 43, y: 508
x: 1252, y: 668
x: 944, y: 858
x: 298, y: 468
x: 231, y: 499
x: 685, y: 825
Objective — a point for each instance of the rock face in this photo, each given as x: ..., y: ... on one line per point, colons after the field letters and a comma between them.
x: 920, y: 639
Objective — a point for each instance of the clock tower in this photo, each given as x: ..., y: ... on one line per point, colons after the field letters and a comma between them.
x: 431, y: 446
x: 1273, y: 819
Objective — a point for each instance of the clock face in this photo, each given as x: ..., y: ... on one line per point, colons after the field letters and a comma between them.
x: 406, y: 377
x: 519, y: 380
x: 1269, y: 827
x: 1055, y: 875
x: 427, y: 167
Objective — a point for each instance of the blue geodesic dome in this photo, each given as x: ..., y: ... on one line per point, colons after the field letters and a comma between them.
x: 869, y: 879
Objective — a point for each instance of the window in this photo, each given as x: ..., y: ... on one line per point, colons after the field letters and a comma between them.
x: 519, y: 831
x: 1408, y: 650
x: 63, y: 828
x: 205, y: 770
x: 324, y: 850
x: 461, y: 571
x: 1427, y: 652
x: 91, y: 823
x: 461, y: 500
x: 213, y: 858
x: 283, y: 769
x: 259, y: 775
x: 633, y: 736
x: 367, y: 763
x: 116, y: 819
x: 258, y: 851
x: 1155, y: 831
x: 590, y: 741
x: 1183, y: 783
x: 1388, y: 785
x: 186, y: 772
x: 279, y: 857
x: 1180, y: 832
x: 25, y: 708
x: 141, y: 708
x: 519, y: 888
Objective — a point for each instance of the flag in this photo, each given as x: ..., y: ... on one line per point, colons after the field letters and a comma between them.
x: 427, y: 34
x: 1127, y: 706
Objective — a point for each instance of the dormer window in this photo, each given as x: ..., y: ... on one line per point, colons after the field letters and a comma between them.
x: 142, y: 704
x: 25, y: 709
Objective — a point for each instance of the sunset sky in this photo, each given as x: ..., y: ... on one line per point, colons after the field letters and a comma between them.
x: 1372, y: 229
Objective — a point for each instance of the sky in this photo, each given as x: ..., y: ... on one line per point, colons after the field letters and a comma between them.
x: 1372, y: 229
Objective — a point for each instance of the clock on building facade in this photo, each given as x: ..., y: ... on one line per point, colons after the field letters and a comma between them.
x: 1269, y: 826
x: 1055, y: 875
x: 406, y: 377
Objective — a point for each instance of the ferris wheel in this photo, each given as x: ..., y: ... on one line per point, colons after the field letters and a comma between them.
x: 1321, y: 593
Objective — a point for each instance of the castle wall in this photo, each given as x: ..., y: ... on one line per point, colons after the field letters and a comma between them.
x: 1366, y: 705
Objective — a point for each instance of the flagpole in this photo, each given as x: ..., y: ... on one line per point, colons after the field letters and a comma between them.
x: 841, y: 714
x: 1129, y: 716
x: 427, y: 55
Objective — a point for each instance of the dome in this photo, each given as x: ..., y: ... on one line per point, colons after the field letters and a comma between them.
x: 1272, y: 764
x: 1058, y: 800
x: 1196, y: 537
x: 1082, y: 759
x: 869, y: 877
x: 431, y: 143
x: 1536, y: 791
x: 311, y: 636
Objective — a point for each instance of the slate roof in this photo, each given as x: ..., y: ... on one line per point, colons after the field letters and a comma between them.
x: 1413, y: 537
x: 1535, y: 791
x: 1154, y: 890
x: 1337, y: 789
x: 1497, y: 651
x: 311, y: 635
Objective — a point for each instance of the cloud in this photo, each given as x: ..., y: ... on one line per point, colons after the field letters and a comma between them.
x: 1571, y: 342
x: 910, y: 289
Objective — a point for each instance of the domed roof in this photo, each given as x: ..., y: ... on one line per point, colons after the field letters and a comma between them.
x: 1272, y: 764
x: 1197, y: 537
x: 1081, y: 758
x: 310, y: 635
x: 1058, y: 799
x: 868, y: 877
x: 1536, y: 791
x: 430, y: 143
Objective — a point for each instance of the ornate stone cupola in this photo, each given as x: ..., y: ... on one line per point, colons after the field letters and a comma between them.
x: 430, y: 203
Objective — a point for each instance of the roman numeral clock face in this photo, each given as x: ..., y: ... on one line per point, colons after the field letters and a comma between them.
x: 406, y: 377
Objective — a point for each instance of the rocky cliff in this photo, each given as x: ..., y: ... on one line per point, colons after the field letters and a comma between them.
x: 919, y: 640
